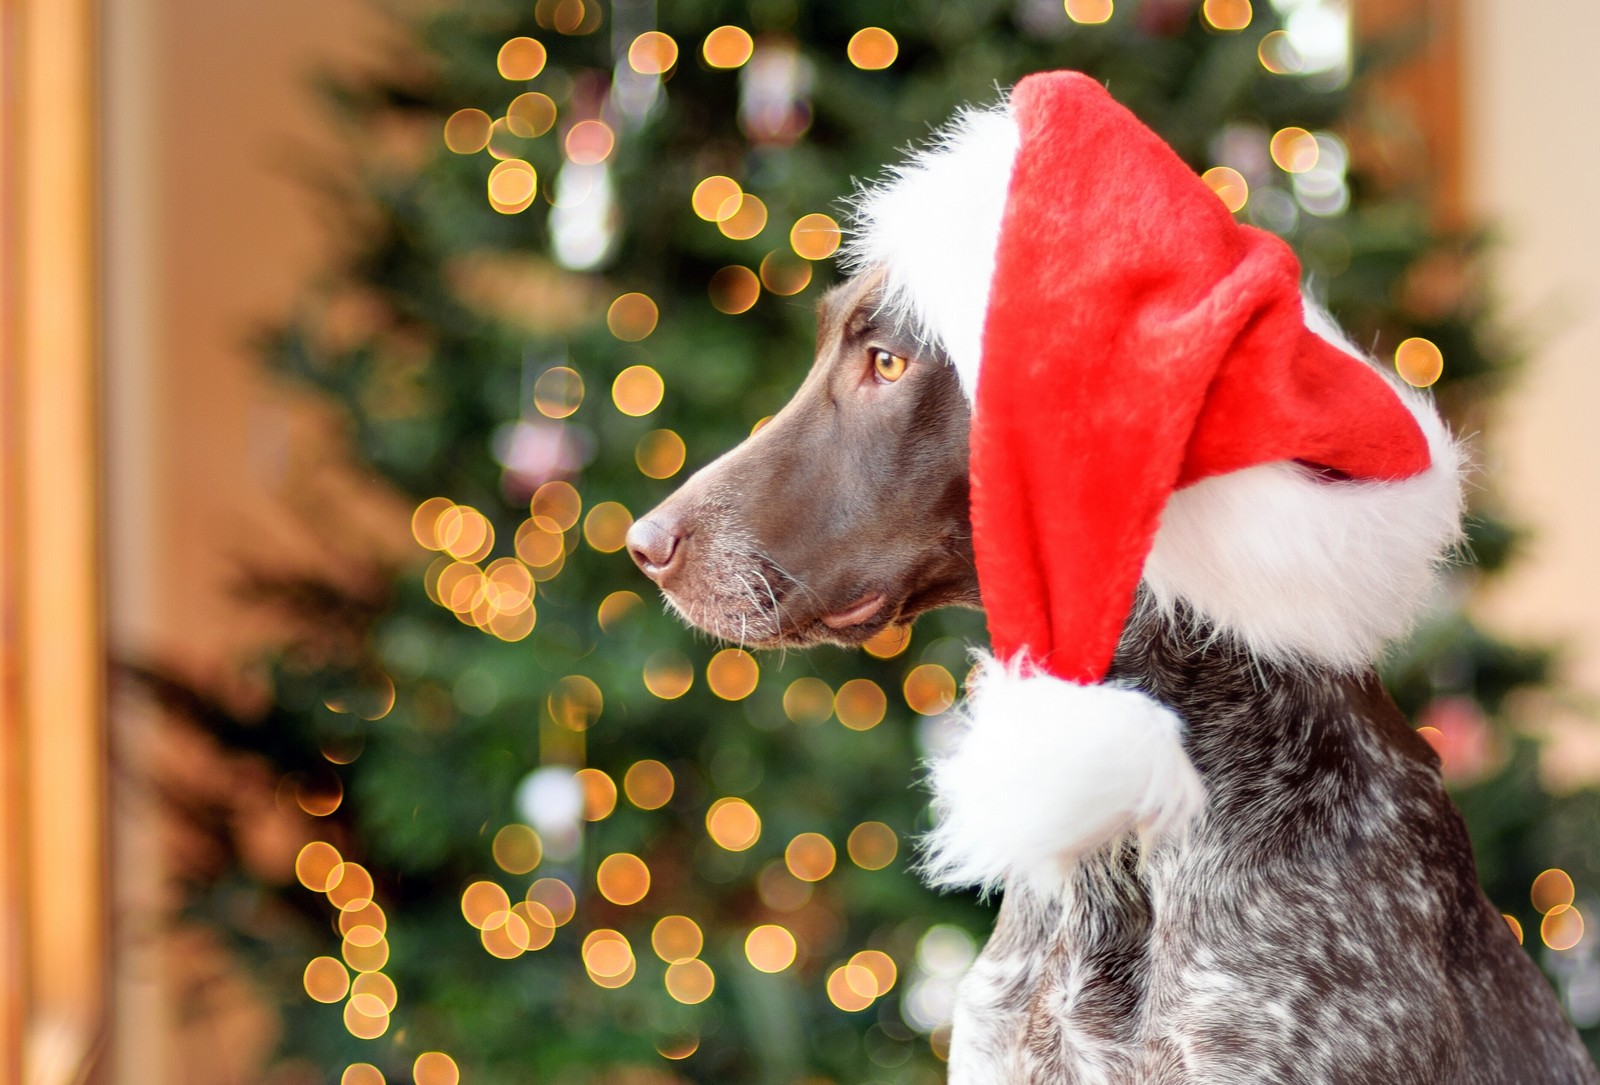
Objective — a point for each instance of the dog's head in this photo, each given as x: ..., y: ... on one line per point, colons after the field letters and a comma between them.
x: 846, y: 513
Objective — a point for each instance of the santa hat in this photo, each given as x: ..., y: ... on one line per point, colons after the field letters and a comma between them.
x: 1148, y: 403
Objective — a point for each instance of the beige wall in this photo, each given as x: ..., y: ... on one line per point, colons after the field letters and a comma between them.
x: 1533, y: 148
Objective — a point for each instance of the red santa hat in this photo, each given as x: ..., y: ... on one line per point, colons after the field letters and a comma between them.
x: 1148, y: 403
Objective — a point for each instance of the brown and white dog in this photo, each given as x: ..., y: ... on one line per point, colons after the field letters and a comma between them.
x: 1319, y: 920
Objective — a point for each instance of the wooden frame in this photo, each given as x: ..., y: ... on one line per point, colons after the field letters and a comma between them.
x: 53, y: 884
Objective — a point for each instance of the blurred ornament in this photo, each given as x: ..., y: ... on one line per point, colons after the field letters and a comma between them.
x: 550, y: 799
x: 775, y: 94
x: 584, y: 220
x: 1459, y: 732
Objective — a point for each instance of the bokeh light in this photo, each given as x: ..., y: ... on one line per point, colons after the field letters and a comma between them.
x: 733, y: 824
x: 326, y: 979
x: 616, y: 608
x: 872, y: 48
x: 727, y: 47
x: 361, y: 1026
x: 808, y: 701
x: 1277, y: 54
x: 1562, y: 927
x: 690, y: 982
x: 543, y: 549
x: 734, y: 289
x: 930, y: 689
x: 555, y: 506
x: 425, y: 519
x: 648, y: 784
x: 506, y: 936
x: 606, y: 526
x: 467, y: 131
x: 749, y: 218
x: 517, y: 849
x: 1515, y: 924
x: 733, y: 674
x: 632, y: 317
x: 810, y: 857
x: 521, y: 59
x: 660, y: 453
x: 364, y: 949
x: 668, y: 674
x: 599, y: 794
x: 880, y: 966
x: 623, y: 878
x: 872, y: 845
x: 784, y: 274
x: 1294, y: 150
x: 1229, y: 185
x: 888, y: 642
x: 678, y: 1048
x: 1089, y: 12
x: 815, y: 236
x: 1419, y: 362
x: 556, y: 897
x: 530, y: 115
x: 637, y: 390
x: 608, y: 958
x: 716, y: 198
x: 860, y: 704
x: 780, y: 890
x: 435, y: 1068
x: 1227, y: 14
x: 1552, y: 889
x: 378, y: 987
x: 370, y: 916
x: 361, y: 1073
x: 575, y: 702
x: 652, y: 53
x: 770, y: 948
x: 350, y: 886
x: 852, y: 988
x: 512, y: 185
x: 590, y: 143
x: 558, y: 392
x: 482, y: 901
x: 541, y: 924
x: 676, y: 938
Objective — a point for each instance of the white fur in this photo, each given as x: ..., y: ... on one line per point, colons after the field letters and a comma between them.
x: 934, y: 224
x: 1048, y: 771
x: 1297, y: 568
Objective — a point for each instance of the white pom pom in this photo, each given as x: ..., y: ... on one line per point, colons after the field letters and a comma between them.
x: 1049, y: 771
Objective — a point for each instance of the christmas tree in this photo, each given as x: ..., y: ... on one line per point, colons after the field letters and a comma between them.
x: 556, y: 835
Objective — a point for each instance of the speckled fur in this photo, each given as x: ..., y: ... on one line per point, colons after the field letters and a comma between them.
x: 1321, y: 922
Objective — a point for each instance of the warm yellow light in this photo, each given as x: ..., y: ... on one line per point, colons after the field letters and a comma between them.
x: 678, y: 1048
x: 879, y: 965
x: 517, y: 849
x: 660, y: 454
x: 540, y: 547
x: 540, y: 923
x: 716, y: 198
x: 599, y: 794
x: 606, y: 527
x: 676, y: 938
x: 888, y: 642
x: 530, y: 115
x: 361, y: 954
x: 558, y: 392
x: 1229, y: 185
x: 850, y: 988
x: 1562, y: 927
x: 326, y: 979
x: 632, y: 317
x: 668, y: 675
x: 648, y: 784
x: 733, y: 824
x: 637, y: 390
x: 623, y: 878
x: 1277, y: 54
x: 690, y: 982
x: 361, y: 1073
x: 770, y: 948
x: 784, y: 274
x: 727, y: 47
x: 424, y: 519
x: 734, y: 290
x: 1294, y: 149
x: 780, y: 890
x: 616, y: 608
x: 872, y: 48
x: 360, y: 1025
x: 1089, y: 12
x: 808, y: 701
x: 435, y: 1068
x: 556, y: 897
x: 1515, y: 924
x: 520, y: 59
x: 590, y: 143
x: 733, y: 674
x: 376, y: 986
x: 464, y: 533
x: 370, y: 916
x: 467, y: 131
x: 555, y: 506
x: 350, y: 886
x: 575, y: 702
x: 1552, y: 889
x: 860, y: 704
x: 930, y: 689
x: 608, y: 958
x: 872, y: 845
x: 810, y: 857
x: 513, y: 184
x: 652, y: 53
x: 506, y: 935
x: 815, y: 236
x: 1419, y: 362
x: 482, y: 901
x: 315, y: 864
x: 1227, y: 14
x: 747, y: 220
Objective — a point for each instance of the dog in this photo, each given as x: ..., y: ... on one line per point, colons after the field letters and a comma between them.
x: 1320, y: 922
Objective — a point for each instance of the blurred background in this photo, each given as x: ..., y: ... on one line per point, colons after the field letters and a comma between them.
x: 341, y: 741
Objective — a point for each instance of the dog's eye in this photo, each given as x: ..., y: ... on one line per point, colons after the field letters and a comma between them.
x: 887, y: 367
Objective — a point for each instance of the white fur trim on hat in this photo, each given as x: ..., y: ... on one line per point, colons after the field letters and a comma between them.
x: 1048, y: 771
x: 1298, y: 568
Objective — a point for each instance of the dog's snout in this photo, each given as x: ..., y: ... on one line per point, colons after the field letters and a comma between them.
x: 655, y: 545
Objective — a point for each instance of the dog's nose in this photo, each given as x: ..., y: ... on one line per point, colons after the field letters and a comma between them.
x: 655, y: 548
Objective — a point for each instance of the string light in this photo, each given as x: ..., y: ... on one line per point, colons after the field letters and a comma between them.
x: 590, y: 142
x: 637, y: 391
x: 530, y: 115
x: 660, y: 454
x: 808, y: 701
x: 815, y: 236
x: 1294, y: 150
x: 810, y: 857
x: 623, y: 878
x: 749, y: 218
x: 784, y: 274
x: 361, y: 1073
x: 1089, y: 12
x: 575, y: 702
x: 860, y: 704
x: 556, y: 897
x: 517, y: 849
x: 467, y: 131
x: 1229, y: 185
x: 872, y: 49
x: 1419, y: 362
x: 632, y: 317
x: 734, y: 290
x: 690, y: 982
x: 555, y: 506
x: 599, y: 794
x: 1227, y: 14
x: 770, y: 948
x: 668, y: 675
x: 521, y: 59
x: 652, y: 53
x: 727, y: 47
x: 733, y: 824
x: 717, y: 198
x: 616, y: 608
x: 326, y: 979
x: 929, y: 689
x: 558, y: 392
x: 888, y: 642
x: 732, y: 674
x: 872, y: 845
x: 435, y: 1068
x: 676, y: 938
x: 1552, y: 889
x: 648, y: 784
